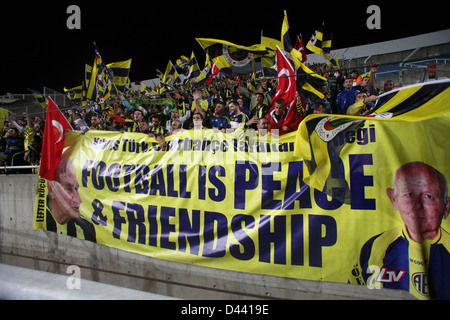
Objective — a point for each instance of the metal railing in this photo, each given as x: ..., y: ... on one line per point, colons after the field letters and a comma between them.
x: 12, y: 168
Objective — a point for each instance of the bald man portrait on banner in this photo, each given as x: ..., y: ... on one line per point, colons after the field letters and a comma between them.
x: 414, y: 257
x: 63, y: 204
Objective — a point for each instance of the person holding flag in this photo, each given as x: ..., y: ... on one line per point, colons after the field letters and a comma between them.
x: 283, y: 115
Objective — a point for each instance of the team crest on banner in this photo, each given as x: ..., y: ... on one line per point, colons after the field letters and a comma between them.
x: 329, y: 127
x: 236, y: 57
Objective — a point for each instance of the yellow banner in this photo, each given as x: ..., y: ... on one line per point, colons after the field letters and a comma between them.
x: 239, y: 202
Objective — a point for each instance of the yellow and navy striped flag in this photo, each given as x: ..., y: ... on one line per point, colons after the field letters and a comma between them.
x: 334, y: 62
x: 100, y: 82
x: 40, y: 98
x: 182, y: 65
x: 3, y: 114
x: 120, y: 72
x: 309, y: 83
x: 320, y: 43
x: 194, y: 70
x: 322, y: 140
x: 297, y: 57
x: 230, y: 58
x: 87, y: 74
x: 206, y: 72
x: 170, y: 77
x: 285, y: 36
x: 315, y: 44
x: 75, y: 94
x: 326, y: 46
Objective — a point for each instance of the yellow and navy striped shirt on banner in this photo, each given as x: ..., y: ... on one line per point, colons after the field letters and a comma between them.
x: 393, y: 260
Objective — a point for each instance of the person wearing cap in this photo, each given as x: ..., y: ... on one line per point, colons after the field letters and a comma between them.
x: 354, y: 74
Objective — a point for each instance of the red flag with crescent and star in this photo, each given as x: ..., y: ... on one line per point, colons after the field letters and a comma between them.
x: 214, y: 72
x: 53, y: 143
x: 286, y: 90
x: 287, y: 86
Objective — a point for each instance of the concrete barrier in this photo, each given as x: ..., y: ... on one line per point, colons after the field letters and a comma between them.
x: 50, y: 252
x: 18, y: 283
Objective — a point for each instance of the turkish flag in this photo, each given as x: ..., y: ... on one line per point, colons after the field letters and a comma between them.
x: 287, y: 86
x: 287, y: 90
x: 53, y: 143
x: 301, y: 48
x: 214, y: 72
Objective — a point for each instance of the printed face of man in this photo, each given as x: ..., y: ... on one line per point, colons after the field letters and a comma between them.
x: 65, y: 200
x: 420, y: 198
x: 70, y: 184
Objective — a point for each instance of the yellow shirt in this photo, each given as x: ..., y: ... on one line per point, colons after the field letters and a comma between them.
x: 203, y: 105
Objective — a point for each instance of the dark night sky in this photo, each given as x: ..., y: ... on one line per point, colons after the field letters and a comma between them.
x: 38, y: 49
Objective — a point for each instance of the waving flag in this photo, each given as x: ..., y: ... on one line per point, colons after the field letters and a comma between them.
x: 285, y: 36
x: 53, y: 143
x: 75, y: 94
x: 320, y: 44
x: 297, y: 57
x: 324, y: 141
x: 100, y: 83
x: 309, y: 83
x: 300, y: 46
x: 121, y: 72
x: 194, y: 70
x: 40, y: 98
x: 170, y: 77
x: 287, y: 86
x: 287, y: 89
x: 233, y: 59
x: 214, y: 72
x: 315, y: 44
x: 326, y: 46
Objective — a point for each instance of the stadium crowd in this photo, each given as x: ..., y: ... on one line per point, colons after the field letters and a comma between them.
x: 225, y: 104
